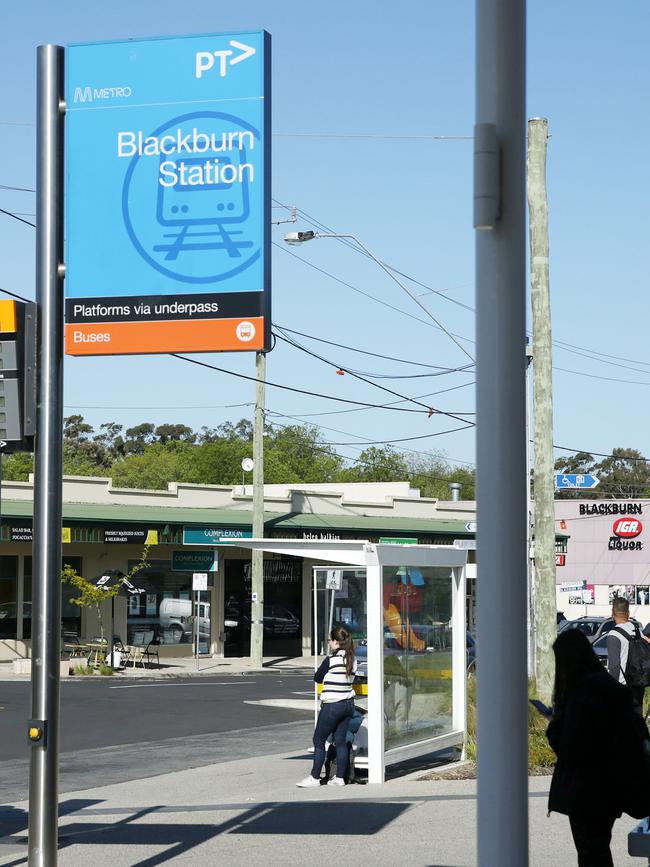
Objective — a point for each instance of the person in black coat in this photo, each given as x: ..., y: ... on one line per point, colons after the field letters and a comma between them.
x: 597, y: 736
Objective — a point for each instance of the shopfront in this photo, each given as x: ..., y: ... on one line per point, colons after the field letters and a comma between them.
x: 165, y: 611
x: 16, y: 599
x: 282, y: 607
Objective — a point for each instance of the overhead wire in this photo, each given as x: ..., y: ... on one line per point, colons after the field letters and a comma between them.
x: 430, y: 410
x: 441, y: 371
x: 284, y: 328
x: 16, y: 217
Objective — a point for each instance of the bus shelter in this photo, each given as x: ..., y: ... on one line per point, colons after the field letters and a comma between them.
x: 405, y: 607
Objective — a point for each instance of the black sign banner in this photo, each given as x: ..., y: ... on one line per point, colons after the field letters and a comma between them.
x: 125, y: 535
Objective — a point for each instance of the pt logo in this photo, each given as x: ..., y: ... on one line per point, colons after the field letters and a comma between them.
x: 192, y: 195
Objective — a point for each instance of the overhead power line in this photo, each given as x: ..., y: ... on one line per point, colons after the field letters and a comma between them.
x: 430, y: 410
x: 465, y: 367
x: 298, y: 390
x: 439, y: 372
x: 16, y: 217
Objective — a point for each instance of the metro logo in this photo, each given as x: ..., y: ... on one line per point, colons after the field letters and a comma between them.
x: 627, y: 528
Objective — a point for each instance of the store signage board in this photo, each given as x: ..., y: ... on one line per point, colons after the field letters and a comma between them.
x: 168, y: 208
x: 130, y: 536
x: 195, y: 561
x: 214, y: 535
x: 200, y: 581
x: 397, y: 540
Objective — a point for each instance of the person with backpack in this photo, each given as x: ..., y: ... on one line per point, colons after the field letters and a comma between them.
x: 336, y: 673
x: 628, y: 653
x: 601, y: 743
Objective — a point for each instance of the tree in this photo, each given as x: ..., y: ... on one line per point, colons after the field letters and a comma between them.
x: 156, y: 466
x: 138, y: 437
x: 179, y: 432
x: 624, y: 473
x: 17, y: 467
x: 93, y: 596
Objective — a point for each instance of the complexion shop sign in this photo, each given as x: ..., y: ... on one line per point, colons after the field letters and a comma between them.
x: 168, y: 195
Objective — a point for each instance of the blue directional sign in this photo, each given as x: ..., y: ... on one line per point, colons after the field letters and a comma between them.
x: 168, y: 194
x: 575, y: 480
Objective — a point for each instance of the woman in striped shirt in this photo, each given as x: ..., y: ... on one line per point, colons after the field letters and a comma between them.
x: 337, y: 706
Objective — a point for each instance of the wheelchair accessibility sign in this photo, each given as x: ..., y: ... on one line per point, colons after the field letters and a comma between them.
x: 168, y: 195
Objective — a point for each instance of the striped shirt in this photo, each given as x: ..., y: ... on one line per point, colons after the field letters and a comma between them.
x: 337, y: 683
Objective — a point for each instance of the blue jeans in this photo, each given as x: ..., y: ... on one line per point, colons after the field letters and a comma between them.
x: 333, y: 719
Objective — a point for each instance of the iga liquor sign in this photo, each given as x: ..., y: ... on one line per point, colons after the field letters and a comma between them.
x: 625, y: 532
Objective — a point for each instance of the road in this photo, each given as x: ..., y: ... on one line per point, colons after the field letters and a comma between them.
x: 117, y: 731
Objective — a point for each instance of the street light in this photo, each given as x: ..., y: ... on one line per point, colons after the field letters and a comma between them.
x: 296, y: 238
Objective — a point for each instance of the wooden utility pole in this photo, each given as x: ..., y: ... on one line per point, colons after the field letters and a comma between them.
x: 257, y: 571
x: 544, y: 524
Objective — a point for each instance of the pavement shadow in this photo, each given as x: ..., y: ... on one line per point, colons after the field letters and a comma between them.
x: 13, y: 820
x: 317, y: 819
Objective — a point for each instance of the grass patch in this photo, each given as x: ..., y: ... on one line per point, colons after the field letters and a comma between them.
x: 82, y: 671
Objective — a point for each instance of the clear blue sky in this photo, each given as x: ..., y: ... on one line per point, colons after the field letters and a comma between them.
x: 359, y: 69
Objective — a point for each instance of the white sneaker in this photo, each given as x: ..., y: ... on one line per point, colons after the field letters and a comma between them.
x: 308, y: 782
x: 336, y: 781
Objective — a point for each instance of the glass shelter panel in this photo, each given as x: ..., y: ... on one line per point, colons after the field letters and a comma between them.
x: 341, y: 601
x: 417, y: 605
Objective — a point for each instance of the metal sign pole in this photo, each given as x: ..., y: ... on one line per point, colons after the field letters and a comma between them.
x: 197, y: 600
x: 500, y: 218
x: 46, y: 642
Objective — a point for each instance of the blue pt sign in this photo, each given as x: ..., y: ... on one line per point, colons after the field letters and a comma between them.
x: 168, y: 195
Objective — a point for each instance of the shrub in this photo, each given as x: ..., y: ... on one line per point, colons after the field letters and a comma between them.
x: 106, y: 670
x: 540, y: 755
x: 82, y: 671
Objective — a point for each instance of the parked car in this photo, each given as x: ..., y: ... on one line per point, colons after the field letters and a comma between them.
x: 561, y: 618
x: 588, y: 625
x: 361, y: 652
x: 608, y: 624
x: 600, y: 649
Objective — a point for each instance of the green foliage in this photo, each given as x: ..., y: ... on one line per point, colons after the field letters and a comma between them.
x: 540, y: 755
x: 92, y: 596
x: 82, y: 671
x: 148, y: 457
x: 624, y: 473
x: 105, y: 670
x: 17, y: 467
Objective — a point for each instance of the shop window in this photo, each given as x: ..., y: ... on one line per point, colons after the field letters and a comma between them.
x: 164, y: 611
x: 70, y: 613
x: 282, y: 607
x: 8, y: 596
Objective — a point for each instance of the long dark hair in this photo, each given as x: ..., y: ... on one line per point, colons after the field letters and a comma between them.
x: 574, y: 660
x: 340, y: 634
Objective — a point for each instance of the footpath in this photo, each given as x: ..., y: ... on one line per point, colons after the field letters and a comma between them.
x: 186, y: 667
x: 249, y: 811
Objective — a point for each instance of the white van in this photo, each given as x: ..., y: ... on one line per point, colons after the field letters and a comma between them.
x: 177, y: 616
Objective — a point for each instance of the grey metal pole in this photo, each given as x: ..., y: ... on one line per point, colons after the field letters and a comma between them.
x: 545, y: 604
x: 500, y: 198
x: 257, y: 577
x: 46, y: 637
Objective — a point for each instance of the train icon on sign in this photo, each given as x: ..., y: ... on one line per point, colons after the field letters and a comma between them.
x: 188, y: 208
x: 193, y: 197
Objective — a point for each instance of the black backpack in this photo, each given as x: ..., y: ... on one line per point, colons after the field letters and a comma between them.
x: 637, y: 670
